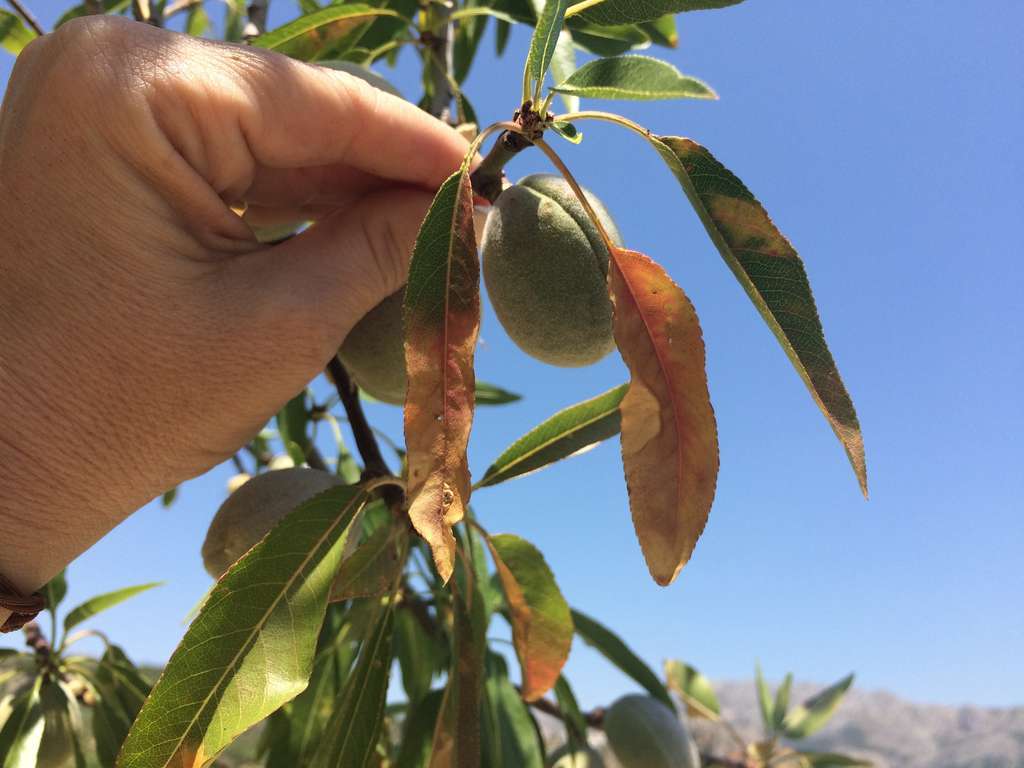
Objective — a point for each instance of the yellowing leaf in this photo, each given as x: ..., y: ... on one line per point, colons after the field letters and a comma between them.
x: 669, y: 437
x: 442, y: 320
x: 305, y: 37
x: 541, y: 623
x: 772, y: 274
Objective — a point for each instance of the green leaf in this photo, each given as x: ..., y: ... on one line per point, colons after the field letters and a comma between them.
x: 91, y: 607
x: 575, y: 724
x: 541, y: 621
x: 764, y: 700
x: 456, y: 742
x: 256, y: 631
x: 512, y: 737
x: 609, y: 645
x: 54, y: 592
x: 662, y: 31
x: 609, y: 12
x: 418, y: 731
x: 503, y: 28
x: 22, y: 733
x: 567, y: 131
x: 351, y: 735
x: 637, y: 78
x: 608, y: 41
x: 292, y: 421
x: 197, y: 22
x: 564, y: 434
x: 168, y: 498
x: 62, y: 719
x: 813, y: 714
x: 563, y: 65
x: 489, y: 394
x: 14, y: 35
x: 545, y: 39
x: 781, y: 701
x: 418, y: 651
x: 469, y: 31
x: 832, y: 760
x: 109, y: 6
x: 300, y: 724
x: 772, y: 274
x: 371, y: 569
x: 307, y: 36
x: 693, y: 688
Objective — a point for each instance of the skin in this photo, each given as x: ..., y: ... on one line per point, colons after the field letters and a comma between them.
x: 145, y: 335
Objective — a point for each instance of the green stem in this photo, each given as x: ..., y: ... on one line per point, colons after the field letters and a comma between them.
x: 578, y: 190
x: 580, y: 7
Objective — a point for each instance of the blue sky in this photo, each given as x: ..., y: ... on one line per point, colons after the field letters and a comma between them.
x: 884, y: 139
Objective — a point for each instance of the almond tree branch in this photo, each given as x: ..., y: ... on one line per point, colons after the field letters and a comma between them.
x: 27, y: 17
x: 366, y: 441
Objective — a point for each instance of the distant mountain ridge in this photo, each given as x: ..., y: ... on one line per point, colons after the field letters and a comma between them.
x: 888, y: 730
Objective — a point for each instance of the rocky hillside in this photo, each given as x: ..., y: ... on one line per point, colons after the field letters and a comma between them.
x: 890, y: 731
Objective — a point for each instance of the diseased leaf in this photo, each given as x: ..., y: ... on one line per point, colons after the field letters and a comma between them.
x: 251, y: 648
x: 633, y: 11
x: 313, y: 34
x: 14, y: 35
x: 813, y: 714
x: 564, y: 434
x: 95, y: 605
x: 669, y: 438
x: 541, y: 623
x: 442, y: 320
x: 545, y: 39
x: 489, y: 394
x: 456, y: 742
x: 611, y: 646
x: 772, y: 274
x: 351, y: 735
x: 637, y: 78
x: 693, y: 688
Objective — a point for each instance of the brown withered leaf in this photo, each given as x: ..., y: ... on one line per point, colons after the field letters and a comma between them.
x: 669, y: 437
x: 442, y: 320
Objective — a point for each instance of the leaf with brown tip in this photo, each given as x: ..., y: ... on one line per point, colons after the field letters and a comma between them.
x: 542, y: 626
x: 442, y: 320
x: 669, y: 437
x: 772, y: 274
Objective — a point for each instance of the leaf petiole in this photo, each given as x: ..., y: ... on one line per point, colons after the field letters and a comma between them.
x: 577, y: 190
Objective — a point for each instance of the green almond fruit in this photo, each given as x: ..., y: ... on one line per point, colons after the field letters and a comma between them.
x: 545, y: 266
x: 248, y: 514
x: 644, y: 733
x: 374, y: 351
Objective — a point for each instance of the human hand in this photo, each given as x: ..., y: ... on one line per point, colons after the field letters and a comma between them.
x: 145, y: 335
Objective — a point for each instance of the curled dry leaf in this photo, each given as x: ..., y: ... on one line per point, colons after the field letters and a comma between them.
x: 669, y: 437
x: 442, y: 320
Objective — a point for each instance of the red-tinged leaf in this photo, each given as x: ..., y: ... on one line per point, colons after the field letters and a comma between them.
x: 669, y: 437
x: 542, y: 627
x: 772, y: 274
x: 442, y: 319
